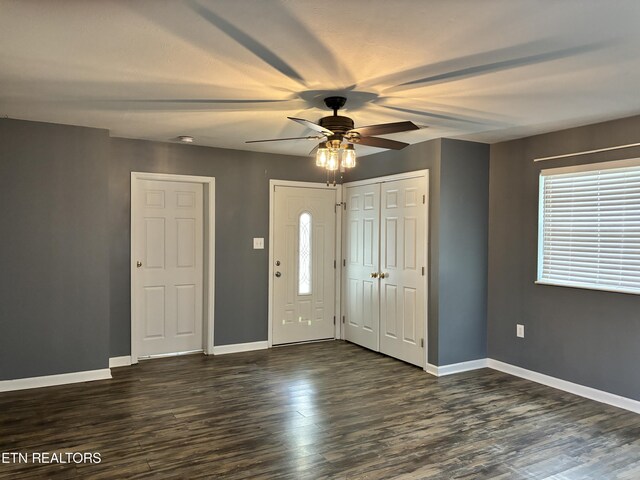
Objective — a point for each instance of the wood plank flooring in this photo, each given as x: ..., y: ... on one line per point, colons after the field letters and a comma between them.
x: 327, y: 410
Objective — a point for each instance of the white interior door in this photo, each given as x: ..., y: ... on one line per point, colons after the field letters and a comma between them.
x: 402, y: 260
x: 361, y: 254
x: 168, y: 280
x: 303, y: 255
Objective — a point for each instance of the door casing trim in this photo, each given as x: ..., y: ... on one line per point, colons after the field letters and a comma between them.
x: 338, y: 249
x: 391, y: 178
x: 209, y: 227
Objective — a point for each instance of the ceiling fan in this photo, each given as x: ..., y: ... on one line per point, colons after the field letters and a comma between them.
x: 335, y: 129
x: 338, y: 127
x: 338, y: 135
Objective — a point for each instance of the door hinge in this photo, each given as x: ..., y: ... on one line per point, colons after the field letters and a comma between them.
x: 334, y: 319
x: 334, y: 264
x: 422, y: 342
x: 344, y: 262
x: 423, y: 271
x: 424, y: 199
x: 342, y: 318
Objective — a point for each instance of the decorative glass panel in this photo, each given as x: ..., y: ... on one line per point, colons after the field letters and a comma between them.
x: 304, y: 254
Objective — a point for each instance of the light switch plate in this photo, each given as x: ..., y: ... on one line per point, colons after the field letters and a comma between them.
x: 258, y: 243
x: 520, y: 331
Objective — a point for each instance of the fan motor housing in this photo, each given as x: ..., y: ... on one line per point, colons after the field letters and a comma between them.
x: 337, y: 123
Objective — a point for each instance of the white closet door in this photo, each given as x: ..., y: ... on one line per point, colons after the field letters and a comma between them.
x: 304, y: 255
x: 362, y: 260
x: 402, y: 258
x: 168, y: 222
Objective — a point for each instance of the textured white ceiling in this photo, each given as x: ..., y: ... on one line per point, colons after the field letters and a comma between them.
x: 226, y: 71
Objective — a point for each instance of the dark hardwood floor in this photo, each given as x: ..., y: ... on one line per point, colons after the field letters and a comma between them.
x: 325, y: 410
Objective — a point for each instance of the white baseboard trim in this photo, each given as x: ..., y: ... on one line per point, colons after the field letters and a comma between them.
x: 240, y: 347
x: 115, y: 362
x: 51, y: 380
x: 580, y: 390
x: 456, y: 367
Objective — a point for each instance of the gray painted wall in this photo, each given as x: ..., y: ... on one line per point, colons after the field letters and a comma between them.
x: 69, y: 189
x: 462, y: 276
x: 242, y: 212
x: 588, y: 337
x: 458, y: 202
x: 54, y: 260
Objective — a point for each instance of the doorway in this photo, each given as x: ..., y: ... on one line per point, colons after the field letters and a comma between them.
x: 172, y: 264
x: 385, y: 265
x: 302, y: 284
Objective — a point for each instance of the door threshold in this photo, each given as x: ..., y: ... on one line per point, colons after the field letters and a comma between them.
x: 304, y: 342
x: 165, y: 355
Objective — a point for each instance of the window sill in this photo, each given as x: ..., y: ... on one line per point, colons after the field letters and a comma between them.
x: 587, y: 287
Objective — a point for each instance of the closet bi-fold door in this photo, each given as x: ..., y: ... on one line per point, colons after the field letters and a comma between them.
x: 361, y: 256
x: 402, y: 260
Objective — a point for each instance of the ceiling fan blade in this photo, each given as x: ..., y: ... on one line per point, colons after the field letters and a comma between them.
x: 384, y: 128
x: 314, y: 150
x: 312, y: 126
x: 312, y: 137
x: 379, y: 143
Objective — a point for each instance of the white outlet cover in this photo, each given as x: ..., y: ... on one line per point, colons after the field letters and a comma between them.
x: 258, y: 243
x: 520, y: 331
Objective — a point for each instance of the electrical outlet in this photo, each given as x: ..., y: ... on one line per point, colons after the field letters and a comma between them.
x: 258, y: 243
x: 520, y: 331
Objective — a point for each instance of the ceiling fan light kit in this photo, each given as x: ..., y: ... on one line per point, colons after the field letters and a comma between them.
x: 333, y: 154
x: 337, y: 152
x: 349, y: 156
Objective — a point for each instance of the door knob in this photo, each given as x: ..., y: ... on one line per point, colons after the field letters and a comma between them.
x: 384, y: 275
x: 278, y: 274
x: 374, y: 275
x: 138, y: 264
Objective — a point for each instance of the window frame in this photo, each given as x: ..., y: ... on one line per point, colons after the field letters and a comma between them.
x: 627, y: 163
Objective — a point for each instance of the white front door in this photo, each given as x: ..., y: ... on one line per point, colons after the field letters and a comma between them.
x: 304, y: 256
x: 168, y: 278
x: 402, y: 261
x: 362, y: 226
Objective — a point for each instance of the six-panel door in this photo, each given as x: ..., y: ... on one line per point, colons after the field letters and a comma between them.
x: 402, y: 258
x: 168, y: 223
x: 362, y: 225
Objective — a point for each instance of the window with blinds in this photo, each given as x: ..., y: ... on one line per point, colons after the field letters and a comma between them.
x: 589, y: 226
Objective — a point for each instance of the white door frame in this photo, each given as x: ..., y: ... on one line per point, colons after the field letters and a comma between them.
x: 338, y: 249
x: 391, y: 178
x: 209, y: 186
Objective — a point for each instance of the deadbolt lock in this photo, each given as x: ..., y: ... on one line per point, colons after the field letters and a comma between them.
x: 277, y: 263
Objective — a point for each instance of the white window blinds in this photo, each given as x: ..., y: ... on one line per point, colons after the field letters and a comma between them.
x: 589, y: 226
